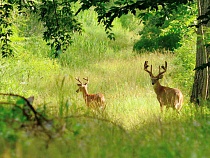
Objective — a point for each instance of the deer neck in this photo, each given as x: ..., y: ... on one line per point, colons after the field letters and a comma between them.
x: 85, y: 93
x: 157, y: 87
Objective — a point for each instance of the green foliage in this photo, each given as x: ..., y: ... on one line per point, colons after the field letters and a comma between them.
x: 185, y: 61
x: 145, y: 44
x: 11, y: 118
x: 119, y: 8
x: 93, y: 45
x: 60, y: 23
x: 168, y: 42
x: 57, y: 17
x: 170, y: 33
x: 28, y: 25
x: 131, y: 125
x: 5, y: 28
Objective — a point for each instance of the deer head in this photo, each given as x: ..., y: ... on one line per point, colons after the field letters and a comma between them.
x: 154, y: 79
x: 82, y: 86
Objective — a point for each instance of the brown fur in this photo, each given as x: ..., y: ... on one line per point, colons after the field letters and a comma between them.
x: 170, y: 97
x: 96, y: 101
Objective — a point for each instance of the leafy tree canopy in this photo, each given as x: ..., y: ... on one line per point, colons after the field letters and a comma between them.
x: 59, y: 17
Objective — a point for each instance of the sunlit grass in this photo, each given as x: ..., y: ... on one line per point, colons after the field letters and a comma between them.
x: 131, y: 125
x: 131, y: 104
x: 130, y: 97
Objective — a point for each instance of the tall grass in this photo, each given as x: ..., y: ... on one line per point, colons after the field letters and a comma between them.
x: 131, y: 126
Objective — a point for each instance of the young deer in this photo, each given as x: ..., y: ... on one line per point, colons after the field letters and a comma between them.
x: 170, y: 97
x: 96, y: 101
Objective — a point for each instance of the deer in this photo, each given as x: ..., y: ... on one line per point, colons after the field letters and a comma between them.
x: 96, y: 101
x: 169, y: 97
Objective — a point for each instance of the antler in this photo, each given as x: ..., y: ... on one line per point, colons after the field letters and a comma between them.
x: 77, y: 78
x: 86, y: 80
x: 146, y: 66
x: 164, y: 68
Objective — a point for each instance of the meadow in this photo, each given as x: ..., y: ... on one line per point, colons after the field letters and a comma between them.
x: 131, y: 125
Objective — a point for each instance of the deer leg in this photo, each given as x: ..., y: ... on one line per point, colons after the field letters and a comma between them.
x: 102, y: 107
x: 161, y: 108
x: 178, y: 108
x: 88, y: 103
x: 161, y: 104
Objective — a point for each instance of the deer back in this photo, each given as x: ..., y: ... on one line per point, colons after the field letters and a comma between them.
x: 96, y: 99
x: 171, y: 97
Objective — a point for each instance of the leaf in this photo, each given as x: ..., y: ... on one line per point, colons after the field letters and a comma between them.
x: 20, y: 101
x: 118, y: 2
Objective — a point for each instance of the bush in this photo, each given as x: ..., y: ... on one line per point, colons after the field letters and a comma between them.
x: 165, y: 33
x: 169, y: 42
x: 145, y: 44
x: 185, y: 63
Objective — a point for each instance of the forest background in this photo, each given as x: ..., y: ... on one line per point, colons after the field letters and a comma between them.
x: 131, y: 125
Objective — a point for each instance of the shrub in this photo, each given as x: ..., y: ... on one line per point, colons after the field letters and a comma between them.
x: 168, y: 32
x: 145, y: 44
x: 170, y: 42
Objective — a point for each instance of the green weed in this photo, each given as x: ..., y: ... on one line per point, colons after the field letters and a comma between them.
x: 131, y: 126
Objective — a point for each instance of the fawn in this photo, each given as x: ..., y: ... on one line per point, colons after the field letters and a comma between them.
x: 96, y: 101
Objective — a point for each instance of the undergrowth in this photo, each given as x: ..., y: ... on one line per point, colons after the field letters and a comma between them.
x: 131, y: 125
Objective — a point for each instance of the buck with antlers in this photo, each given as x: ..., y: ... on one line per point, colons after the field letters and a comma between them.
x: 96, y: 101
x: 170, y: 97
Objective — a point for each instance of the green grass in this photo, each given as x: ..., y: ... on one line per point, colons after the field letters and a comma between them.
x: 131, y: 103
x: 131, y: 126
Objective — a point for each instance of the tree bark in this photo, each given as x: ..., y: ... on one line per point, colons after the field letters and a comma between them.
x: 201, y: 80
x: 208, y: 48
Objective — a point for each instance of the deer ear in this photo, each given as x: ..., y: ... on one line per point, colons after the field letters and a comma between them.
x: 160, y: 77
x: 78, y: 84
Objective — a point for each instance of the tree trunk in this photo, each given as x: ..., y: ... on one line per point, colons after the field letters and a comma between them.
x: 201, y: 79
x: 208, y: 49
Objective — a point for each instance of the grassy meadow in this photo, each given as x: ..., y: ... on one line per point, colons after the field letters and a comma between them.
x: 131, y: 125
